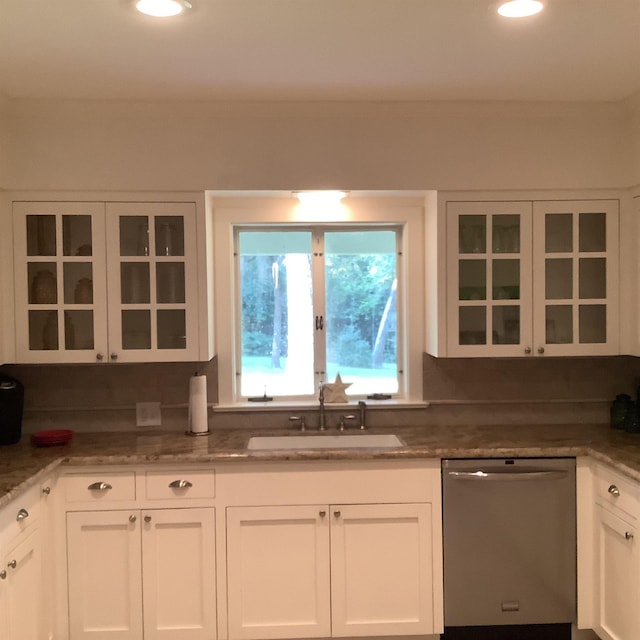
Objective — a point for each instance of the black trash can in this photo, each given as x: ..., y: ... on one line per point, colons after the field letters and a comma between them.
x: 11, y: 404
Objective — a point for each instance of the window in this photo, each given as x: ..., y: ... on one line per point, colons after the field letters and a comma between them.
x: 300, y: 298
x: 315, y: 303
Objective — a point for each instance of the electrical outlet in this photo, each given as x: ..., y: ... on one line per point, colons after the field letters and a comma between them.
x: 148, y: 414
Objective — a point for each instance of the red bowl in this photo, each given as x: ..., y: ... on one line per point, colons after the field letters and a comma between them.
x: 51, y: 437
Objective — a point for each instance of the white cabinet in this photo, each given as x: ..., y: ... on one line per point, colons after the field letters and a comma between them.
x: 608, y: 552
x: 335, y: 549
x: 531, y: 278
x: 151, y: 570
x: 101, y: 281
x: 329, y: 570
x: 21, y: 576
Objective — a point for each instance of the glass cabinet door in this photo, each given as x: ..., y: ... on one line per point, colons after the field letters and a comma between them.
x: 577, y: 260
x: 489, y: 277
x: 153, y: 281
x: 60, y: 282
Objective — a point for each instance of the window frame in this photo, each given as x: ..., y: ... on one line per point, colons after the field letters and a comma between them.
x: 259, y: 211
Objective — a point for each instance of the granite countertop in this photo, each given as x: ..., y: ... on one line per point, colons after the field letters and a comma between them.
x: 22, y: 465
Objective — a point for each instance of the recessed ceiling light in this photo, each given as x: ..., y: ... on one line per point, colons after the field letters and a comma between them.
x: 520, y: 8
x: 162, y: 8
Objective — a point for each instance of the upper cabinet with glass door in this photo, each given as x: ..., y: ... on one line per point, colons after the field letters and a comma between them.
x: 60, y: 285
x: 114, y: 282
x: 153, y: 284
x: 576, y: 290
x: 529, y: 278
x: 488, y: 278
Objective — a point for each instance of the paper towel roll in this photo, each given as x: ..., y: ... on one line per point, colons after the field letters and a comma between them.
x: 198, y: 418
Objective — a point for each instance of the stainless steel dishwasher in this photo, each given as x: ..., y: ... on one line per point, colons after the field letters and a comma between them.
x: 509, y: 541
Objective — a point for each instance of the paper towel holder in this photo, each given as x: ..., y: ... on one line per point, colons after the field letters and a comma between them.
x: 199, y: 433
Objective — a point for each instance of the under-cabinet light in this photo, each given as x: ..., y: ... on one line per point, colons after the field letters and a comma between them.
x: 317, y: 198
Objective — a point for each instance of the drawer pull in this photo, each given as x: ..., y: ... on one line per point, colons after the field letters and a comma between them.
x: 613, y: 490
x: 99, y: 486
x: 13, y: 564
x: 322, y: 513
x: 22, y: 515
x: 336, y: 514
x: 3, y: 575
x: 628, y: 535
x: 132, y: 518
x: 180, y: 484
x: 147, y: 518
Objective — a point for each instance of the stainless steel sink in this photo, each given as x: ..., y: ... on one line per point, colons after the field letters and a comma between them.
x: 334, y: 441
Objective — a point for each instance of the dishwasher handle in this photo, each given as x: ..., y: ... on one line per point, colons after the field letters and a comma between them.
x: 513, y: 475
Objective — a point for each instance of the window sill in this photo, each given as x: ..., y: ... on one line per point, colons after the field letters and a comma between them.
x: 290, y: 405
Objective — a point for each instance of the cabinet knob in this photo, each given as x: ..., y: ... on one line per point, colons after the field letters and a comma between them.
x: 147, y: 518
x: 22, y: 515
x: 3, y: 575
x: 99, y: 486
x: 628, y: 535
x: 46, y: 490
x: 540, y: 350
x: 527, y: 350
x: 180, y: 484
x: 114, y: 356
x: 132, y: 518
x: 13, y: 564
x: 322, y: 513
x: 336, y: 514
x: 613, y: 490
x: 99, y: 357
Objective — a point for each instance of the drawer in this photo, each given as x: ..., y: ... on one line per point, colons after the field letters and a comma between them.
x: 19, y: 514
x: 617, y: 492
x: 98, y: 487
x: 180, y: 484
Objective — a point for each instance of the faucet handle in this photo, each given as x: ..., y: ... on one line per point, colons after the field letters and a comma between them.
x: 300, y: 419
x: 343, y: 419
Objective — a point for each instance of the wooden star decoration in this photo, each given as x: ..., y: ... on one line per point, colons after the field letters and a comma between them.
x: 336, y: 391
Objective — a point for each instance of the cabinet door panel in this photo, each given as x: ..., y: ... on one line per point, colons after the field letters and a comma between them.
x: 618, y: 572
x: 178, y: 559
x: 381, y: 570
x: 23, y: 596
x: 104, y: 573
x: 278, y: 572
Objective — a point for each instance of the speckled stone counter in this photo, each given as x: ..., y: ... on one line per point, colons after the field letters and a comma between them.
x: 22, y: 465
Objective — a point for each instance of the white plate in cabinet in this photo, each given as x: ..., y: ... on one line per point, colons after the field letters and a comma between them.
x: 182, y: 484
x: 107, y: 487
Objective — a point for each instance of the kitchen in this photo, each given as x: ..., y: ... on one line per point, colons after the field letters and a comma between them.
x: 94, y: 141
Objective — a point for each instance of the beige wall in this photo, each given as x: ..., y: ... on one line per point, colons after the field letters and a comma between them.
x: 120, y: 146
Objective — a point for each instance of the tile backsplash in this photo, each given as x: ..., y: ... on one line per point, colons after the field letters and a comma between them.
x: 459, y: 391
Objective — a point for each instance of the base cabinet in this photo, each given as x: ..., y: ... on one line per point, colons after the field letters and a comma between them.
x: 135, y: 574
x: 329, y: 570
x: 618, y: 577
x: 20, y: 581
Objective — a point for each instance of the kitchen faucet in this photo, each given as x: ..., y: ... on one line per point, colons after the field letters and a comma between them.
x: 321, y: 426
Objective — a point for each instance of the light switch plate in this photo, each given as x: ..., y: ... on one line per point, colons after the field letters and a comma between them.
x: 148, y: 414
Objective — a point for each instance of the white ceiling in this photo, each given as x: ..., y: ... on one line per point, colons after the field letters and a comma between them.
x: 584, y: 50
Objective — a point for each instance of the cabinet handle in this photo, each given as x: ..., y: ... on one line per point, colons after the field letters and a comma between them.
x: 322, y: 513
x: 180, y: 484
x: 132, y: 518
x: 3, y: 575
x: 541, y: 350
x: 336, y: 514
x: 147, y: 518
x: 100, y: 486
x: 99, y: 357
x: 613, y: 490
x: 527, y: 350
x: 46, y: 490
x: 628, y: 535
x: 22, y: 515
x: 114, y: 356
x: 13, y: 564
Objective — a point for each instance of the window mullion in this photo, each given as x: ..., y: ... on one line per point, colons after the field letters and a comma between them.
x: 319, y: 308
